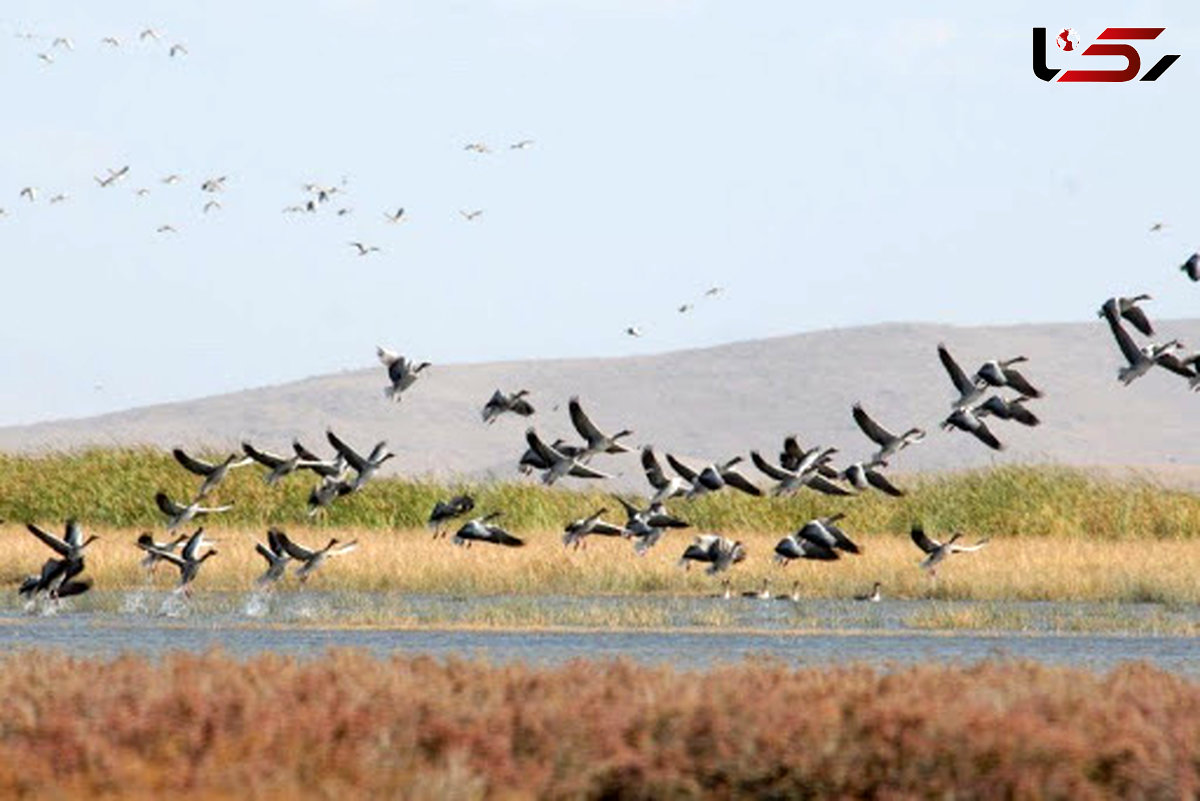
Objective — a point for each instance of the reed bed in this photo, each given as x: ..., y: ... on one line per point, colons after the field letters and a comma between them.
x: 115, y: 488
x: 1013, y: 568
x: 349, y: 725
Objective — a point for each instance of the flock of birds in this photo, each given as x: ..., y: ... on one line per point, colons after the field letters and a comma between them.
x: 996, y: 389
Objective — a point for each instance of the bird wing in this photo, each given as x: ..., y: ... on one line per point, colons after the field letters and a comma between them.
x: 880, y: 482
x: 344, y: 548
x: 769, y: 469
x: 654, y: 471
x: 544, y: 452
x: 294, y: 550
x: 168, y: 506
x: 583, y: 471
x: 607, y: 529
x: 1020, y: 383
x: 736, y: 480
x: 1175, y: 365
x: 821, y: 484
x: 502, y: 537
x: 963, y: 384
x: 193, y: 465
x: 687, y: 473
x: 304, y: 453
x: 968, y: 548
x: 1130, y: 350
x: 262, y: 457
x: 387, y: 357
x: 582, y: 424
x: 877, y: 433
x: 923, y: 541
x: 56, y: 544
x: 985, y: 435
x: 348, y: 453
x: 1138, y: 319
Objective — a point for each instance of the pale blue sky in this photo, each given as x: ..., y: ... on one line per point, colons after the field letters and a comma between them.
x: 832, y: 166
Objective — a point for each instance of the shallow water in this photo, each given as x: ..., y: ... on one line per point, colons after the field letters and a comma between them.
x: 685, y: 632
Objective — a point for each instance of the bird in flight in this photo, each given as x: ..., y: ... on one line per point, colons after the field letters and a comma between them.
x: 30, y: 193
x: 63, y: 41
x: 633, y: 331
x: 397, y: 217
x: 522, y: 145
x: 685, y: 308
x: 364, y: 250
x: 478, y: 147
x: 113, y: 176
x: 712, y: 292
x: 149, y: 33
x: 166, y: 229
x: 177, y: 50
x: 470, y: 215
x: 210, y: 205
x: 1156, y: 227
x: 111, y: 41
x: 46, y: 58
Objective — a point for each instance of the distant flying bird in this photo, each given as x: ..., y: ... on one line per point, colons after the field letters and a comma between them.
x: 1002, y: 374
x: 970, y: 390
x: 63, y: 41
x: 633, y: 331
x: 213, y: 472
x: 46, y: 58
x: 719, y: 552
x: 597, y: 441
x: 395, y: 218
x: 794, y: 547
x: 889, y: 443
x: 936, y: 552
x: 824, y: 531
x: 210, y: 205
x: 178, y: 514
x: 1005, y: 409
x: 500, y: 403
x: 166, y: 229
x: 470, y: 215
x: 29, y: 193
x: 1140, y: 360
x: 364, y: 250
x: 481, y: 529
x: 524, y: 143
x: 278, y: 467
x: 148, y: 33
x: 344, y: 212
x: 1129, y: 309
x: 324, y: 494
x: 213, y: 184
x: 173, y: 178
x: 478, y: 147
x: 664, y: 488
x: 177, y: 50
x: 646, y: 526
x: 1156, y: 227
x: 113, y: 176
x: 402, y: 372
x: 807, y: 473
x: 111, y: 41
x: 1191, y: 267
x: 712, y: 292
x: 61, y: 197
x: 687, y: 307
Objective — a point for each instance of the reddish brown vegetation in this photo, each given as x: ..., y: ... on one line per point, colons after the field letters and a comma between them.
x: 349, y: 725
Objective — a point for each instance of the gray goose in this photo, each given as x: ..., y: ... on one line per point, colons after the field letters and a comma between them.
x: 936, y: 552
x: 481, y: 529
x: 967, y: 420
x: 178, y: 514
x: 713, y: 477
x: 146, y: 542
x: 646, y: 526
x: 577, y: 530
x: 664, y: 488
x: 188, y: 561
x: 402, y: 372
x: 364, y: 468
x: 806, y: 474
x: 718, y: 552
x: 213, y: 473
x: 889, y: 443
x: 276, y: 556
x: 558, y: 463
x: 312, y: 558
x: 500, y: 403
x: 1129, y: 309
x: 998, y: 373
x: 443, y: 511
x: 863, y: 476
x: 1141, y: 360
x: 597, y: 440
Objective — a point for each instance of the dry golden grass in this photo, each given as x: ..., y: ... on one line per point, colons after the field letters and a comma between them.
x: 348, y: 725
x: 1014, y: 568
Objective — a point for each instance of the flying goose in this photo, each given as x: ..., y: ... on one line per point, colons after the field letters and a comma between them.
x: 597, y: 441
x: 664, y: 488
x: 402, y: 372
x: 938, y: 551
x: 633, y: 331
x: 311, y: 558
x: 577, y: 530
x: 874, y: 596
x: 646, y: 526
x: 712, y: 292
x: 366, y: 468
x: 794, y: 458
x: 325, y: 493
x: 395, y: 218
x: 1001, y: 374
x: 888, y: 442
x: 967, y: 420
x: 148, y: 33
x: 46, y: 58
x: 213, y: 184
x: 333, y: 468
x: 214, y: 473
x: 146, y: 542
x: 481, y: 529
x: 477, y: 147
x: 470, y: 215
x: 970, y: 390
x: 278, y: 466
x: 276, y: 556
x: 824, y: 531
x: 178, y: 514
x: 113, y: 176
x: 30, y: 193
x: 684, y: 308
x: 55, y: 580
x: 500, y: 403
x: 531, y: 460
x: 177, y: 49
x: 111, y: 41
x: 457, y: 506
x: 521, y: 145
x: 1129, y: 309
x: 187, y: 561
x: 1191, y: 267
x: 763, y: 594
x: 713, y: 477
x: 63, y: 41
x: 863, y: 475
x: 793, y: 547
x: 719, y: 552
x: 211, y: 205
x: 1140, y: 360
x: 558, y: 463
x: 1005, y: 409
x: 61, y: 197
x: 364, y: 250
x: 806, y: 474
